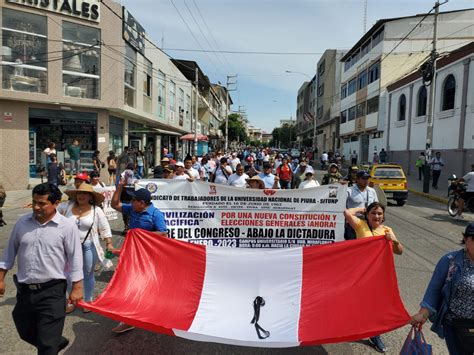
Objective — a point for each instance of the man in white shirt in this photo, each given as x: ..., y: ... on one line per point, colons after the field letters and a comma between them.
x: 234, y: 161
x: 181, y: 173
x: 436, y: 165
x: 469, y: 180
x: 239, y: 178
x: 188, y: 166
x: 222, y: 172
x: 324, y: 160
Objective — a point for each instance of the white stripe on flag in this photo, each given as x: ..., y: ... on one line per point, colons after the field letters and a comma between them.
x: 230, y: 288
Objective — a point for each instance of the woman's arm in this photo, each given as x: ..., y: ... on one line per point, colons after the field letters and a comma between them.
x: 351, y: 218
x: 103, y: 228
x: 397, y: 246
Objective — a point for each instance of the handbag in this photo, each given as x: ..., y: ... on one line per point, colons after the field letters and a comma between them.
x: 415, y: 343
x: 464, y: 329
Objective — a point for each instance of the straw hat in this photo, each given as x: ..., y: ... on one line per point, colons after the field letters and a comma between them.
x: 261, y: 184
x: 98, y: 197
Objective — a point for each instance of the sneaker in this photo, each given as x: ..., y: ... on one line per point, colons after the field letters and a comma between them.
x: 378, y: 344
x: 122, y: 328
x: 458, y: 217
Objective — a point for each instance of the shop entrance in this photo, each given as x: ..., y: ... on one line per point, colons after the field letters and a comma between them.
x: 61, y: 127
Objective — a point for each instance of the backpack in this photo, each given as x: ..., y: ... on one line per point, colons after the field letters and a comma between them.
x: 112, y: 164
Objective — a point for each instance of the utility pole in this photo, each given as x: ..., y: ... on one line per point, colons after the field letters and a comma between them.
x: 228, y: 83
x: 431, y: 103
x: 196, y: 112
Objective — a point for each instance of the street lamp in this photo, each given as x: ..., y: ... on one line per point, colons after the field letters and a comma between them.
x: 297, y: 72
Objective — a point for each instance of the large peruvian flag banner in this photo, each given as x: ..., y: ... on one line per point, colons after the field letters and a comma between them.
x: 267, y: 298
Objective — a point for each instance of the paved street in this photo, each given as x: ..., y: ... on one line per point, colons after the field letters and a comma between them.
x: 422, y: 225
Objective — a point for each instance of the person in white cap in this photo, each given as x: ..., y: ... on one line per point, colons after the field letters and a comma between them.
x: 181, y: 173
x: 309, y: 181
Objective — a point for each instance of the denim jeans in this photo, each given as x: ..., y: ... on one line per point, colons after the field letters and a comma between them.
x: 76, y: 166
x: 89, y: 257
x: 140, y: 171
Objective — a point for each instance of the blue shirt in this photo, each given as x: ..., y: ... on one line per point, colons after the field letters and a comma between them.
x: 46, y: 251
x: 359, y: 199
x: 151, y: 219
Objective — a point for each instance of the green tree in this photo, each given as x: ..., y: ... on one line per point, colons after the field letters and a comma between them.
x: 283, y: 135
x: 236, y: 128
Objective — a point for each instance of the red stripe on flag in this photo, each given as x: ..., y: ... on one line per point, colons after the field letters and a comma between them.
x: 349, y: 292
x: 147, y: 287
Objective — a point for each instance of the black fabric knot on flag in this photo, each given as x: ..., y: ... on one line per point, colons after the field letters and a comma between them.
x: 257, y: 303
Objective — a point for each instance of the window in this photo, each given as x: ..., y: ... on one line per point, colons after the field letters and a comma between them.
x: 322, y: 67
x: 347, y: 64
x: 449, y: 93
x: 188, y: 110
x: 377, y: 37
x: 161, y: 94
x: 362, y: 80
x: 351, y: 115
x: 147, y: 75
x: 374, y: 72
x: 181, y: 107
x: 354, y: 138
x: 365, y: 48
x: 130, y: 75
x: 343, y: 91
x: 344, y: 116
x: 321, y: 90
x: 421, y: 101
x: 24, y: 52
x: 351, y: 87
x: 373, y: 105
x: 319, y: 112
x: 402, y: 108
x: 81, y: 61
x: 172, y: 96
x: 360, y: 109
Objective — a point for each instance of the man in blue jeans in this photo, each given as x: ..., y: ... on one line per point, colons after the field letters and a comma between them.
x: 142, y: 215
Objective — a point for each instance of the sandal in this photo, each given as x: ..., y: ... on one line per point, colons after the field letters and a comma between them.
x: 70, y: 307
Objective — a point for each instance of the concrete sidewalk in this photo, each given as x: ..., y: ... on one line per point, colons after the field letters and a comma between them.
x: 415, y: 186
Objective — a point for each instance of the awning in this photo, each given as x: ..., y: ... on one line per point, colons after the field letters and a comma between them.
x: 190, y: 137
x: 153, y: 130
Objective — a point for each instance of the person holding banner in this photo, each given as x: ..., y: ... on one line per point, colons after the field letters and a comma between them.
x: 181, y: 173
x: 239, y: 178
x: 373, y: 225
x: 144, y: 215
x: 309, y: 180
x: 271, y: 181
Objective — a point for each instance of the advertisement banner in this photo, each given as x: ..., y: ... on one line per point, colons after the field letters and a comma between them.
x: 219, y: 215
x: 108, y: 192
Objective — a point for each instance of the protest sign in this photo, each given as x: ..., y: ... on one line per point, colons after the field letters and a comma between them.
x: 219, y: 215
x: 108, y: 192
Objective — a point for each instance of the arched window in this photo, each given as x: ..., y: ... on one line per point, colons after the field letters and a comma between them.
x: 421, y: 102
x: 449, y: 93
x: 402, y: 108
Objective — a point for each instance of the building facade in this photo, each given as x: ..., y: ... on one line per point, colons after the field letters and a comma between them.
x: 88, y: 73
x: 378, y: 59
x: 453, y: 123
x: 328, y: 101
x: 305, y: 113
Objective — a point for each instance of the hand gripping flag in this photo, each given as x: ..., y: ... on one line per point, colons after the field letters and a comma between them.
x: 268, y: 298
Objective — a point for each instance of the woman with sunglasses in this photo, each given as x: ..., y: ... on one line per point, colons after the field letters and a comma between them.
x: 83, y: 209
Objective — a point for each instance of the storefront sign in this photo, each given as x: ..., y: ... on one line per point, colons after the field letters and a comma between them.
x: 84, y: 9
x: 7, y: 117
x: 133, y: 32
x: 220, y: 215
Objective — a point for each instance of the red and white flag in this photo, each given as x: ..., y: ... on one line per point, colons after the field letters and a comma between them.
x: 267, y: 298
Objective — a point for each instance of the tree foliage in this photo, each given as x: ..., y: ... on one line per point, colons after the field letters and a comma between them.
x: 283, y: 135
x: 236, y: 128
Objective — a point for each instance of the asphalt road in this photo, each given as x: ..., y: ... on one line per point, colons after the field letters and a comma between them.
x: 423, y: 226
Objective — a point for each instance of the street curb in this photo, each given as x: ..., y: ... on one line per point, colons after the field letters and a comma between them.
x: 429, y: 196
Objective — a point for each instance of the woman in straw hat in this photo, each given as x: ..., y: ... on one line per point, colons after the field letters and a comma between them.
x: 83, y: 209
x: 255, y: 182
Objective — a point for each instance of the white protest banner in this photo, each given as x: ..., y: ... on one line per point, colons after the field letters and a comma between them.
x: 108, y: 192
x: 220, y: 215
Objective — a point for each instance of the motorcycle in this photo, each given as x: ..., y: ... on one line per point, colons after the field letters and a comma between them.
x: 456, y: 189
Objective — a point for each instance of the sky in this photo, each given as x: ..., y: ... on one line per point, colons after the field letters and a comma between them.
x: 264, y: 89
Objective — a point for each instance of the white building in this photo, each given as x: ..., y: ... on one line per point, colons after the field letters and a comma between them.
x: 379, y: 58
x: 453, y: 124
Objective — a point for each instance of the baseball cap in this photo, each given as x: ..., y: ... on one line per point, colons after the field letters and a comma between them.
x: 363, y: 174
x: 141, y: 194
x: 469, y: 230
x: 179, y: 164
x: 82, y: 176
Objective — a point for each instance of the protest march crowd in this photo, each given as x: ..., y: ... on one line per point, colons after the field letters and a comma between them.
x: 58, y: 248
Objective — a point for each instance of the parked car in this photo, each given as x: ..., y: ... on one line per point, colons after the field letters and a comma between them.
x: 392, y: 180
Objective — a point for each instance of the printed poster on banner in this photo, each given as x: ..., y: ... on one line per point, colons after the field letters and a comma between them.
x: 219, y: 215
x: 108, y: 192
